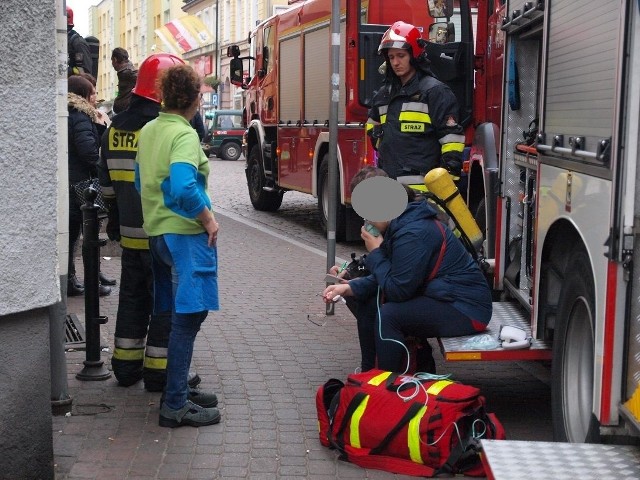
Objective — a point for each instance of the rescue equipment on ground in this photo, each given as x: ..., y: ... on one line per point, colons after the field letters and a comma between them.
x: 414, y: 425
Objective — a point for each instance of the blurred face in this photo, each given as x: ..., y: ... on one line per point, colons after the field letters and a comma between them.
x: 400, y: 61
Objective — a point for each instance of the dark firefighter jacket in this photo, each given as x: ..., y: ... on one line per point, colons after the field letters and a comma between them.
x: 415, y: 126
x: 117, y: 166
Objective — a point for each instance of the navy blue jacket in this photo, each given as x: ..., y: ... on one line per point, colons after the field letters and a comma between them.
x: 84, y: 139
x: 407, y: 257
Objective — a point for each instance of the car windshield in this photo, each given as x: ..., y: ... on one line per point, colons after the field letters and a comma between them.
x: 229, y: 121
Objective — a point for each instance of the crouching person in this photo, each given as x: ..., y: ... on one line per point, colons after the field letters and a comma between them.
x: 423, y: 284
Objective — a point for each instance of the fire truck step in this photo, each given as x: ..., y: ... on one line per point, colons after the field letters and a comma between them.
x: 509, y: 459
x: 504, y: 313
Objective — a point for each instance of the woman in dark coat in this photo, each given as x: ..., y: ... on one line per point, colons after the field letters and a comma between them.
x: 423, y: 284
x: 84, y: 147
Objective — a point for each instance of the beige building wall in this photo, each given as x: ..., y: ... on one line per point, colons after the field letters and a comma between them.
x: 131, y: 24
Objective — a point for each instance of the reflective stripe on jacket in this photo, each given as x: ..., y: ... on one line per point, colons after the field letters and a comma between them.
x: 419, y: 129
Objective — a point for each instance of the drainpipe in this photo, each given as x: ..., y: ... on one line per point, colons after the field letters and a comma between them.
x: 217, y: 42
x: 60, y: 398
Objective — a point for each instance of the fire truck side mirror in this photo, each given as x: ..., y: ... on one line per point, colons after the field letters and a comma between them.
x: 233, y: 51
x: 236, y: 68
x: 441, y: 9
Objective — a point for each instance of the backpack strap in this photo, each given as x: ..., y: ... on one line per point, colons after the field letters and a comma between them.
x: 463, y: 236
x: 337, y: 440
x: 411, y: 412
x: 443, y: 248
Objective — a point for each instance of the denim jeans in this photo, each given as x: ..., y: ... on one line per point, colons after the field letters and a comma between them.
x: 184, y: 328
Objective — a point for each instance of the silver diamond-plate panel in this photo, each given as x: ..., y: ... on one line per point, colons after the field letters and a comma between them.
x: 511, y: 460
x: 633, y: 355
x: 516, y: 122
x: 504, y: 313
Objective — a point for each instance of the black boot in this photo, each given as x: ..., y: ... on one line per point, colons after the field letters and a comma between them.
x: 105, y: 280
x: 425, y: 362
x: 103, y: 290
x: 74, y: 287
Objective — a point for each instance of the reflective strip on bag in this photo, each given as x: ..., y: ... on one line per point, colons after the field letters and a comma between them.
x: 438, y: 386
x: 413, y: 436
x: 378, y: 379
x: 354, y: 427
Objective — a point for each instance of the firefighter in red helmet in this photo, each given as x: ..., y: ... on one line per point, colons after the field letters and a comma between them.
x: 413, y: 121
x: 142, y: 334
x: 79, y: 54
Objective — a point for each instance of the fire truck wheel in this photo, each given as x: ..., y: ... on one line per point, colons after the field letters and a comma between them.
x: 230, y: 151
x: 261, y: 199
x: 574, y: 356
x: 323, y: 202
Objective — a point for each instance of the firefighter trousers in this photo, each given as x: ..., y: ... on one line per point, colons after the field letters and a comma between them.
x: 141, y: 337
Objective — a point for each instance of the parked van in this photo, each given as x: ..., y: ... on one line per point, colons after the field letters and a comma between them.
x: 224, y: 134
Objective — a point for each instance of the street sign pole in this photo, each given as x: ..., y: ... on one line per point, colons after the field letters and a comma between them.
x: 333, y: 139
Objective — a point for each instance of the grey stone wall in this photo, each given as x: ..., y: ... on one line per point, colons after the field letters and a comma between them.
x: 33, y: 225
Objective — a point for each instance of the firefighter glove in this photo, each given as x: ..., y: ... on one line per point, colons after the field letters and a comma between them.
x: 452, y: 163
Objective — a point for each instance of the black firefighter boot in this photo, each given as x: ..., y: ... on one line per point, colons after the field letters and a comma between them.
x: 74, y: 287
x: 104, y: 280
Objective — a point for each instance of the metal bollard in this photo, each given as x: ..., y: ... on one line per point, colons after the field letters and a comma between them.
x: 94, y: 368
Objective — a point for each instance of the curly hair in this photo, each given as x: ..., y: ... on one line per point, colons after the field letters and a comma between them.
x: 180, y: 87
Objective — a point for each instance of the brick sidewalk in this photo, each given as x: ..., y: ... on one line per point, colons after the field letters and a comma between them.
x: 265, y: 360
x: 259, y: 353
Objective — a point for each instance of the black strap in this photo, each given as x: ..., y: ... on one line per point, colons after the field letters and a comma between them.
x: 464, y: 454
x: 336, y: 440
x: 463, y: 236
x: 443, y: 248
x: 409, y: 414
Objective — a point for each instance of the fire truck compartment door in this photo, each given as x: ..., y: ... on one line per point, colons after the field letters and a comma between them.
x: 451, y: 64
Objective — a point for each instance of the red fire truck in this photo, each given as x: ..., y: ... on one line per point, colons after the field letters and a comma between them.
x: 287, y: 92
x: 553, y: 182
x: 553, y: 130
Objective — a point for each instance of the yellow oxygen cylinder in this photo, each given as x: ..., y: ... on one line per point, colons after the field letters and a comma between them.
x: 439, y: 182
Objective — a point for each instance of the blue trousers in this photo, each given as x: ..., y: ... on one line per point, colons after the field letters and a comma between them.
x: 382, y: 331
x: 184, y: 328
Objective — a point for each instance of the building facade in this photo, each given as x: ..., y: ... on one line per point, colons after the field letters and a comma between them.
x: 134, y: 25
x: 33, y: 227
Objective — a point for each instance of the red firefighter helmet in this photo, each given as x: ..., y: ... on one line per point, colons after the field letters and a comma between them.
x: 402, y: 35
x: 69, y: 16
x: 148, y: 74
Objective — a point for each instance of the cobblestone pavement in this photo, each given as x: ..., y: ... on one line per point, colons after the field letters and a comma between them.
x: 264, y: 358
